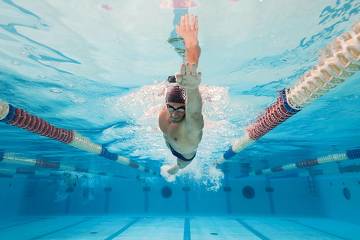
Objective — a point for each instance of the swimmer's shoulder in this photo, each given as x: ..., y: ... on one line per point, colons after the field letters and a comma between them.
x: 163, y: 120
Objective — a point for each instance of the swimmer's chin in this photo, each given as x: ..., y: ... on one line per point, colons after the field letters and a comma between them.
x: 176, y: 120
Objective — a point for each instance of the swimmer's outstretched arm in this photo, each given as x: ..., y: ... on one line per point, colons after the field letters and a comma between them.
x: 189, y: 78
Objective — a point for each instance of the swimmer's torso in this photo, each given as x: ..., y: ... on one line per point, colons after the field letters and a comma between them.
x: 177, y: 135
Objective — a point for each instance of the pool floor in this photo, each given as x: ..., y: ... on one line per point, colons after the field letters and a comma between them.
x: 175, y: 228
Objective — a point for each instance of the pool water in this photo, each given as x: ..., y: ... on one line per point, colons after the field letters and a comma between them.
x: 99, y: 68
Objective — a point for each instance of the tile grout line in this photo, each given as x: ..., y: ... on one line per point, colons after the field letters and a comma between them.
x: 60, y: 229
x: 252, y: 230
x: 123, y: 229
x: 187, y: 232
x: 316, y: 229
x: 21, y: 223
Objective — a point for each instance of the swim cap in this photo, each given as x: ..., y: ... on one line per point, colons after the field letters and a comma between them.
x: 175, y: 93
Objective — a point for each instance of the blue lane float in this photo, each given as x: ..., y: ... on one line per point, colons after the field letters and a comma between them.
x: 353, y: 154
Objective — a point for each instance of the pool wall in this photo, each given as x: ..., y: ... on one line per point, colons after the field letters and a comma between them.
x: 280, y: 196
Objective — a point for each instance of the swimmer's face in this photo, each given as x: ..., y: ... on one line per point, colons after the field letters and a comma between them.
x: 176, y: 111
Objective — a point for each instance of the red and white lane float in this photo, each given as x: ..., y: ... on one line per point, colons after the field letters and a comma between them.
x: 338, y: 157
x: 339, y: 61
x: 12, y: 158
x: 32, y: 166
x: 20, y: 118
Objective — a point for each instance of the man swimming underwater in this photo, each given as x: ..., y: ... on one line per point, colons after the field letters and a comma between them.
x: 181, y: 120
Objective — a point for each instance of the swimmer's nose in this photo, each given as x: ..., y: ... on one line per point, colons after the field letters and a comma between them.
x: 176, y: 114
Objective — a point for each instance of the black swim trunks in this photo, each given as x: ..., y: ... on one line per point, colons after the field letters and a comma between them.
x: 179, y: 155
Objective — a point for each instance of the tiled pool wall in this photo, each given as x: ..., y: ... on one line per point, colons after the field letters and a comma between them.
x: 336, y: 196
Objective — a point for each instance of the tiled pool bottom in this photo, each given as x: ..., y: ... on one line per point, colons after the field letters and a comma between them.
x: 175, y: 228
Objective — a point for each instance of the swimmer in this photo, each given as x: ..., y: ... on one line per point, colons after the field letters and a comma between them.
x: 181, y: 119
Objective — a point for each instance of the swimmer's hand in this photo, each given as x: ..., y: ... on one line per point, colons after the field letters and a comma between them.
x: 169, y: 172
x: 188, y: 30
x: 188, y: 77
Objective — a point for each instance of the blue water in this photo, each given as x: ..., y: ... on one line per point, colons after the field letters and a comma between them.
x: 98, y: 67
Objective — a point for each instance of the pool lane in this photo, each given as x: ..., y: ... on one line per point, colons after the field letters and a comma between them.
x: 109, y: 227
x: 251, y: 229
x: 10, y: 223
x: 42, y: 228
x: 122, y: 229
x: 342, y: 230
x: 98, y: 227
x: 46, y: 234
x: 277, y: 228
x: 156, y: 228
x: 215, y: 228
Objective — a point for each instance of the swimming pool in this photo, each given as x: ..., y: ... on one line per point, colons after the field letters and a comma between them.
x: 91, y: 75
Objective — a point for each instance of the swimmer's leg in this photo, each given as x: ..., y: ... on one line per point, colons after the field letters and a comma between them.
x: 169, y: 171
x: 173, y: 169
x: 180, y: 165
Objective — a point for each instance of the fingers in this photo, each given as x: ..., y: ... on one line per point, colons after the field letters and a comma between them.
x: 191, y: 69
x: 181, y: 26
x: 188, y: 76
x: 183, y: 69
x: 191, y: 22
x: 196, y: 24
x: 187, y: 69
x: 187, y: 22
x: 179, y: 78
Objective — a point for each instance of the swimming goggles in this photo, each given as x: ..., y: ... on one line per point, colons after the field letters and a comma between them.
x: 172, y: 109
